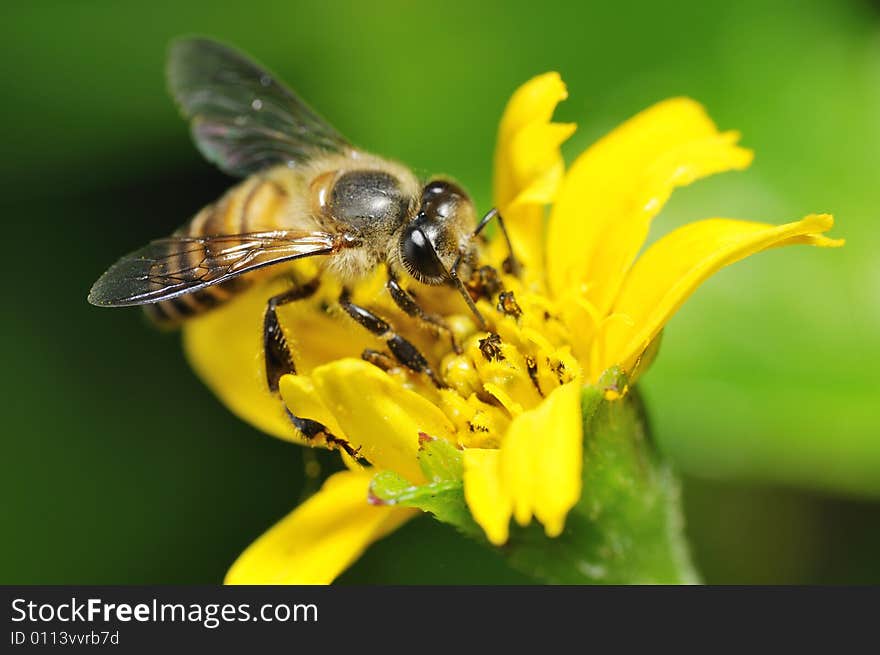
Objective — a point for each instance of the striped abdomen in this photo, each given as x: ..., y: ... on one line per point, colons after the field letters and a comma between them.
x: 259, y: 203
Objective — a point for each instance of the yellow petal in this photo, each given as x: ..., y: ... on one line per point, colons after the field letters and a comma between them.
x: 490, y: 505
x: 528, y: 163
x: 537, y: 471
x: 536, y: 163
x: 543, y: 455
x: 533, y: 102
x: 615, y: 188
x: 302, y: 398
x: 224, y: 347
x: 320, y: 538
x: 379, y: 415
x: 671, y: 269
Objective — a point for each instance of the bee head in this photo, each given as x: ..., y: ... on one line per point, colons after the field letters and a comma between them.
x: 431, y: 242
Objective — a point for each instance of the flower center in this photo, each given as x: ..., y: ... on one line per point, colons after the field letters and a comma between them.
x: 499, y: 375
x: 483, y: 379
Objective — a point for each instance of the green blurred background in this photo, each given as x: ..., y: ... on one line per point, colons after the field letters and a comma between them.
x: 120, y: 467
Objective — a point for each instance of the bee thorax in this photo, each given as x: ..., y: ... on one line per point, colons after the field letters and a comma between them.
x: 354, y: 264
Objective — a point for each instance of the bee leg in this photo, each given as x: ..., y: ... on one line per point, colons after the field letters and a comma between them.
x: 311, y: 430
x: 404, y: 299
x: 404, y: 351
x: 279, y: 361
x: 379, y: 359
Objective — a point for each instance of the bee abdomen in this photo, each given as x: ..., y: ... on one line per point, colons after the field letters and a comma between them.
x: 171, y: 313
x: 254, y: 205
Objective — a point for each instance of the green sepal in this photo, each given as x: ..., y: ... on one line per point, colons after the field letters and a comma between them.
x: 442, y: 496
x: 444, y: 499
x: 439, y: 459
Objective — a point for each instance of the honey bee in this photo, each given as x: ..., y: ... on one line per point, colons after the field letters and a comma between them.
x: 307, y: 192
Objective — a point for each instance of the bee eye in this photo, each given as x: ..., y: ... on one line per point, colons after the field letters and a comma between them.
x: 420, y: 258
x: 441, y: 199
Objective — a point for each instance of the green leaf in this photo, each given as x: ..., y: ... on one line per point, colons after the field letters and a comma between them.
x: 439, y: 459
x: 444, y: 499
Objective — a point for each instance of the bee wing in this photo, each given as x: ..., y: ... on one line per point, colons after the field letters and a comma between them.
x: 170, y: 267
x: 242, y: 118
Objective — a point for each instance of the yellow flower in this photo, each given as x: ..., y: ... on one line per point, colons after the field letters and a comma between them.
x: 511, y: 401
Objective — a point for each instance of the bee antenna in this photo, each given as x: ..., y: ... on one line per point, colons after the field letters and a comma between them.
x: 453, y: 275
x: 513, y: 261
x: 494, y: 213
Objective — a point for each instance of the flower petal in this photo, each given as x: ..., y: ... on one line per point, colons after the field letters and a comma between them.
x: 224, y: 347
x: 615, y: 188
x: 546, y: 448
x: 536, y: 472
x: 302, y: 398
x: 484, y: 493
x: 379, y: 415
x: 671, y: 269
x: 320, y: 538
x: 528, y: 163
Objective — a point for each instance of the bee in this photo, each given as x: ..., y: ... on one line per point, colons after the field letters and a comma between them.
x: 307, y: 192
